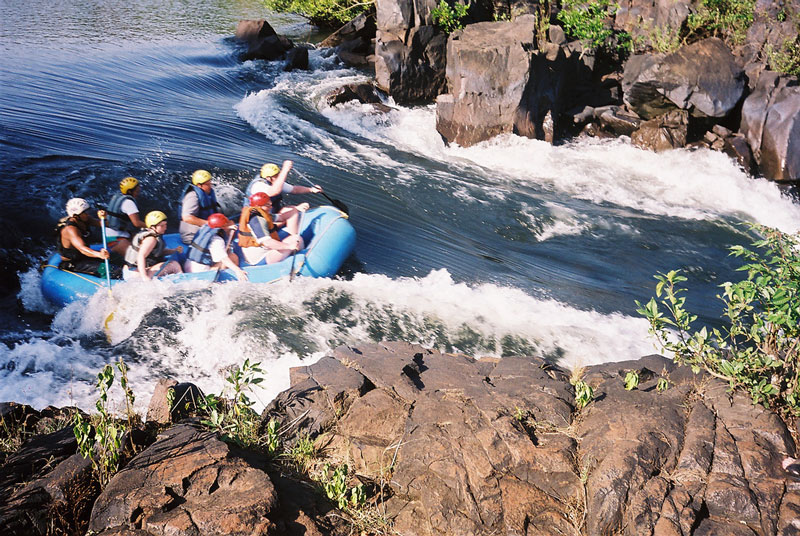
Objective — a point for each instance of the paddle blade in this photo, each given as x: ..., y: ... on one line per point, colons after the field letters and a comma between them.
x: 341, y: 206
x: 109, y: 318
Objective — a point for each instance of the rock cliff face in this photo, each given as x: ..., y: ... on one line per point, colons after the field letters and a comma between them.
x: 497, y: 447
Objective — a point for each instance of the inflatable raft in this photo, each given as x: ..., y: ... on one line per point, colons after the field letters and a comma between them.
x: 326, y: 231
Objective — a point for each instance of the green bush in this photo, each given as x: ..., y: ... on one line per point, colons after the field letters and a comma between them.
x: 449, y: 18
x: 726, y: 19
x: 756, y: 349
x: 587, y: 21
x: 323, y: 13
x: 785, y: 59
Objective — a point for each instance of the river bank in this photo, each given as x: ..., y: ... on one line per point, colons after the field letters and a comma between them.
x: 435, y: 443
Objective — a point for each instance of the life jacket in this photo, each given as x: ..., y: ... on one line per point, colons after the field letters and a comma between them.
x: 70, y: 253
x: 246, y: 238
x: 116, y: 218
x: 277, y: 200
x: 155, y: 256
x: 198, y: 249
x: 208, y: 202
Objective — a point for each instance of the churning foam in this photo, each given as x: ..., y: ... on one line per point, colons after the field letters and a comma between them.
x: 196, y: 332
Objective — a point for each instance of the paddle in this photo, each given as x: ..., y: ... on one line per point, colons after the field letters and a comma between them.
x: 108, y: 273
x: 227, y: 247
x: 335, y: 202
x: 296, y: 251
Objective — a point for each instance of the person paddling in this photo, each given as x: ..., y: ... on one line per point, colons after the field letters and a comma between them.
x: 272, y: 181
x: 208, y: 250
x: 123, y: 216
x: 146, y: 256
x: 197, y: 203
x: 72, y: 233
x: 258, y: 234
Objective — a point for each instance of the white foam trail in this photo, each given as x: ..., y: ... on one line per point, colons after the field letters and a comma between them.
x: 196, y: 331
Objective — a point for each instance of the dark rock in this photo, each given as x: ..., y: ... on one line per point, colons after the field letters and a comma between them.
x: 631, y: 14
x: 409, y: 51
x: 663, y: 133
x: 261, y: 40
x: 736, y: 147
x: 617, y: 120
x: 555, y: 34
x: 365, y: 93
x: 771, y: 124
x: 185, y: 400
x: 297, y: 58
x: 354, y: 40
x: 14, y: 416
x: 188, y: 482
x: 702, y: 78
x: 36, y: 456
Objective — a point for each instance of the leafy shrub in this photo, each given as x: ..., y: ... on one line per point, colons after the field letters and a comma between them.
x: 631, y: 380
x: 583, y: 394
x: 726, y: 19
x: 449, y: 18
x: 323, y: 13
x: 756, y: 349
x: 785, y: 59
x: 587, y: 21
x: 334, y: 482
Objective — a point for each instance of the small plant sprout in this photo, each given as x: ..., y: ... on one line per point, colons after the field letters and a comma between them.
x: 583, y: 394
x: 335, y: 485
x: 662, y: 385
x: 631, y: 380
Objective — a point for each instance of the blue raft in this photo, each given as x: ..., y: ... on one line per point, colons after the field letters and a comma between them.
x: 326, y: 231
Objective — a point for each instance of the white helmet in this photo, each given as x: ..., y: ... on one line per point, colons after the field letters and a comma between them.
x: 76, y: 206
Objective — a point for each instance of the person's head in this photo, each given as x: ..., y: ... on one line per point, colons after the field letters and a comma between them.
x: 156, y: 220
x: 269, y: 171
x: 219, y: 221
x: 260, y: 199
x: 77, y: 207
x: 129, y: 186
x: 202, y: 179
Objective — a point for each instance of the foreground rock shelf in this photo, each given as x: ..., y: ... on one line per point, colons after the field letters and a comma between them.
x: 492, y: 446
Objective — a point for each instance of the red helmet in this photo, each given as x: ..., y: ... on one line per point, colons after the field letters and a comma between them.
x: 218, y: 221
x: 259, y: 199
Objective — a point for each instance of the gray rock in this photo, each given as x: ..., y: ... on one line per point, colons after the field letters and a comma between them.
x: 702, y: 78
x: 297, y: 58
x: 771, y: 124
x: 261, y: 40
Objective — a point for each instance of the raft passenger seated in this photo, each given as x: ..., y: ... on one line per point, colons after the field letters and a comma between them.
x: 208, y: 250
x: 145, y: 258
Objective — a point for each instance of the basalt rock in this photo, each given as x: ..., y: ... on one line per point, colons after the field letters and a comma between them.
x: 355, y: 40
x: 702, y: 78
x: 771, y: 124
x: 261, y: 40
x: 663, y: 133
x: 409, y: 51
x: 297, y: 58
x: 496, y: 446
x: 660, y: 14
x: 185, y: 400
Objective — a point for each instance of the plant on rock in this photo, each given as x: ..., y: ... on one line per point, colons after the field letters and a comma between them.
x: 726, y: 19
x: 587, y: 21
x: 449, y: 18
x: 756, y: 349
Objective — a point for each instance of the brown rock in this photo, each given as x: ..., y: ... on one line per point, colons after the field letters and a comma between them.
x: 664, y: 132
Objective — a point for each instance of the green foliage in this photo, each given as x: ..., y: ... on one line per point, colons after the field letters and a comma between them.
x: 587, y: 21
x: 631, y: 380
x: 335, y: 485
x: 234, y: 418
x: 449, y: 18
x: 756, y: 349
x: 100, y: 437
x: 663, y: 39
x: 271, y: 438
x: 583, y: 394
x: 322, y: 13
x: 303, y: 453
x: 662, y: 385
x: 726, y: 19
x: 785, y: 59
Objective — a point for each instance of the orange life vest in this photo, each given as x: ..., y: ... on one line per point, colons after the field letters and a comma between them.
x: 246, y: 238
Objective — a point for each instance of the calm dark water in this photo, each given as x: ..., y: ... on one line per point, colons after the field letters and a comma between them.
x: 511, y: 246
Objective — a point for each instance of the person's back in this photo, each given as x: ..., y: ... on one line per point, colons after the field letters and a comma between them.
x: 198, y: 202
x: 208, y: 249
x: 123, y: 216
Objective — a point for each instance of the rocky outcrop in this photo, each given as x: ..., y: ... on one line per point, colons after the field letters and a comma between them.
x: 261, y: 41
x: 365, y: 93
x: 355, y: 41
x: 771, y: 124
x: 631, y: 14
x: 191, y: 482
x: 409, y: 51
x: 496, y: 446
x: 702, y: 78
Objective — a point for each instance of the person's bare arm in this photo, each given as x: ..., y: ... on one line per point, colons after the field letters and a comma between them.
x: 277, y: 185
x: 137, y: 221
x: 75, y: 240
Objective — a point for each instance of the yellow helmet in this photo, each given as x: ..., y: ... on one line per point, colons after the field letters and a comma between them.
x: 154, y: 218
x: 269, y: 170
x: 127, y: 185
x: 201, y: 176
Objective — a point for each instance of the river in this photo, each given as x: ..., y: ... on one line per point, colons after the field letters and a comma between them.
x: 512, y: 246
